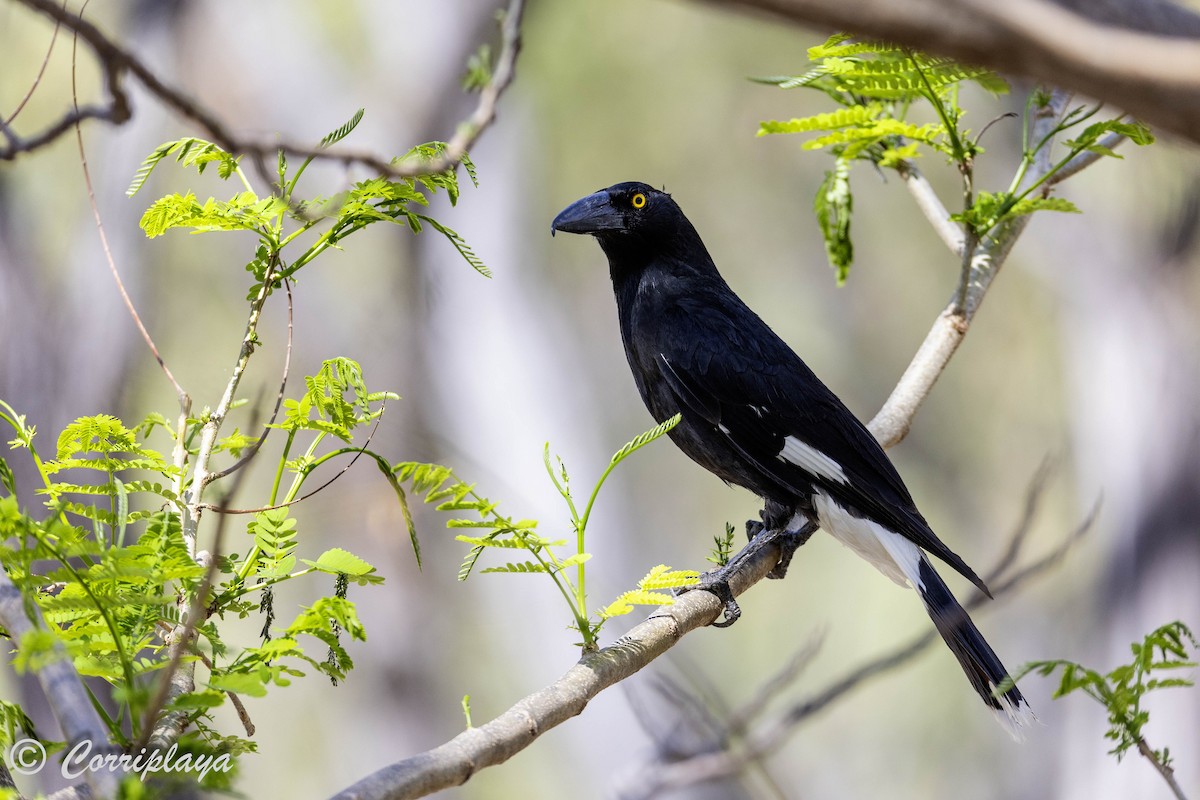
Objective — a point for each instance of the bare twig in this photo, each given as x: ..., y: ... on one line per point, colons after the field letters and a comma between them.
x: 60, y: 683
x: 116, y: 61
x: 221, y: 509
x: 1164, y: 770
x: 741, y: 719
x: 184, y: 402
x: 37, y: 81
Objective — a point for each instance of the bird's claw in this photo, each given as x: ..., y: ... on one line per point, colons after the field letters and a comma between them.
x: 789, y: 543
x: 717, y: 584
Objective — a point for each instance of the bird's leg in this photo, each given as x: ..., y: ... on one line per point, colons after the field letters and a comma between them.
x: 789, y: 542
x: 761, y: 534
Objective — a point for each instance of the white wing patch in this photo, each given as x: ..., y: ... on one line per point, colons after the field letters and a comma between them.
x: 811, y: 459
x: 890, y: 553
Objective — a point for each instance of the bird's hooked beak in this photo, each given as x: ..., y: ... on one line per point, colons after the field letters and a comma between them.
x: 592, y: 214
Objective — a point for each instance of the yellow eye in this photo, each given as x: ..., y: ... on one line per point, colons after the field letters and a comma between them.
x: 638, y: 200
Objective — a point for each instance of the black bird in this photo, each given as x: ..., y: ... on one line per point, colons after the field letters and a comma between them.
x: 754, y: 414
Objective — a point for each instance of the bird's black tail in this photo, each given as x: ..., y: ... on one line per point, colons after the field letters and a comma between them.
x: 978, y: 660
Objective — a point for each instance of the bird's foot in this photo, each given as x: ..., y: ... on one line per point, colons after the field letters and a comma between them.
x: 760, y: 535
x: 789, y: 542
x: 717, y: 583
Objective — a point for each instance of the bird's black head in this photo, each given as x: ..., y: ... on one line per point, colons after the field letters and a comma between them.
x: 637, y: 227
x: 624, y: 210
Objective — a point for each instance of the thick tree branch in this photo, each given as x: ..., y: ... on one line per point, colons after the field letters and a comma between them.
x: 1131, y: 53
x: 657, y: 777
x: 495, y: 742
x: 893, y: 421
x: 61, y: 685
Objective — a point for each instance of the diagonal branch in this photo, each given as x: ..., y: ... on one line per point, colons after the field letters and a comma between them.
x: 933, y: 209
x: 656, y: 777
x: 456, y: 761
x: 893, y: 421
x: 184, y: 401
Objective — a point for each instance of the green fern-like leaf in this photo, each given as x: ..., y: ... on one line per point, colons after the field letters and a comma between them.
x: 459, y: 244
x: 643, y: 439
x: 833, y: 206
x: 663, y: 577
x: 335, y: 136
x: 640, y: 597
x: 243, y: 211
x: 189, y: 151
x: 523, y: 567
x: 842, y: 118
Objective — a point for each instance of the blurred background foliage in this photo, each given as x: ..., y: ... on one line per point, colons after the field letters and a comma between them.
x: 1085, y: 352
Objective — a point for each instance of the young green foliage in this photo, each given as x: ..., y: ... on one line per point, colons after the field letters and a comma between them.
x: 722, y: 547
x: 111, y: 561
x: 647, y: 594
x: 879, y: 89
x: 281, y: 220
x: 1121, y: 691
x: 504, y: 533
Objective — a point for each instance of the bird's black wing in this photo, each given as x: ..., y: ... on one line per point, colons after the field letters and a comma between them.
x: 726, y: 366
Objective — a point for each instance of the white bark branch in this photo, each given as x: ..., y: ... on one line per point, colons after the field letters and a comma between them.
x: 453, y: 763
x: 62, y: 687
x: 931, y: 206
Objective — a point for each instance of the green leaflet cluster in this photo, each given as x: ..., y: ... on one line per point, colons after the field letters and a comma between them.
x: 369, y: 201
x: 119, y: 564
x: 1121, y: 690
x: 880, y: 88
x: 499, y: 532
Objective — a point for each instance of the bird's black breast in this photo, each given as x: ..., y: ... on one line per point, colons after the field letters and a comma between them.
x: 670, y: 319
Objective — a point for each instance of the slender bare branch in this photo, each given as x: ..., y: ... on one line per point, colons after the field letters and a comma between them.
x: 933, y: 209
x: 116, y: 62
x: 1164, y: 770
x: 184, y: 401
x: 37, y: 81
x: 222, y: 509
